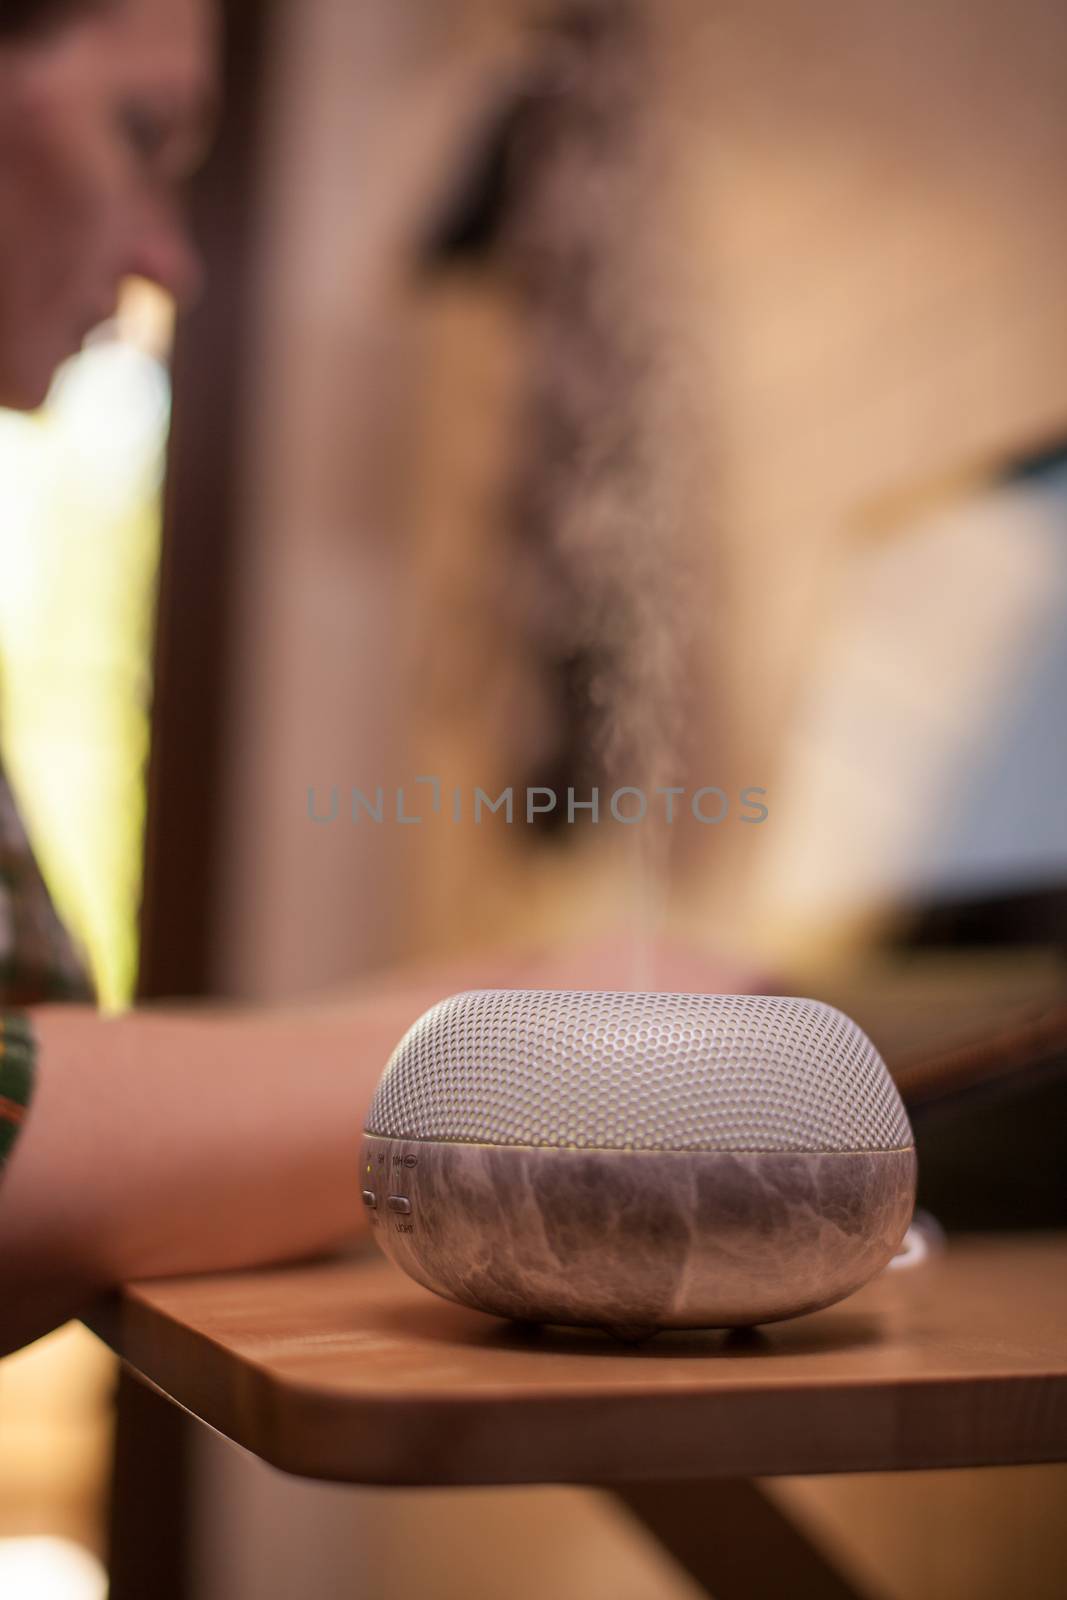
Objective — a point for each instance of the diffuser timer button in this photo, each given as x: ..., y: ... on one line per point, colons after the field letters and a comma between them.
x: 370, y: 1199
x: 399, y: 1202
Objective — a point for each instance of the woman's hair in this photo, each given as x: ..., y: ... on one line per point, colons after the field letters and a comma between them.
x: 26, y: 17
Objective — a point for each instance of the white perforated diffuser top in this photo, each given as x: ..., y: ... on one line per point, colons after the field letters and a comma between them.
x: 620, y: 1071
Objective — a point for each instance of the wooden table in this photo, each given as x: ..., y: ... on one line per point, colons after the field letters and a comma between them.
x: 346, y: 1370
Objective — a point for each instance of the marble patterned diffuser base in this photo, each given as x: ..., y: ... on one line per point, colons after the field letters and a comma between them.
x: 638, y: 1161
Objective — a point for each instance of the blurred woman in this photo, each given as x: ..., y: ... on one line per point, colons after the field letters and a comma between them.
x: 159, y: 1142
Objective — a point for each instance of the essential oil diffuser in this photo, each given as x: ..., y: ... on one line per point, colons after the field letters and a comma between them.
x: 638, y: 1161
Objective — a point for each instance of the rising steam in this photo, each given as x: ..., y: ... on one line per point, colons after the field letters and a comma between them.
x: 598, y: 509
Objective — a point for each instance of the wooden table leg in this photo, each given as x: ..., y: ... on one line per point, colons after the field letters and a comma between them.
x: 148, y: 1534
x: 731, y: 1538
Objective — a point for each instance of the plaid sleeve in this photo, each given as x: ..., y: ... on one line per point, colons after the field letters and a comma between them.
x: 38, y: 963
x: 18, y: 1064
x: 38, y: 958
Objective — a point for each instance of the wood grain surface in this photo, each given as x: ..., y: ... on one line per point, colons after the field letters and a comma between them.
x: 347, y: 1370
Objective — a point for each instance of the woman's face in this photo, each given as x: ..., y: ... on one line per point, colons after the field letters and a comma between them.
x: 100, y: 123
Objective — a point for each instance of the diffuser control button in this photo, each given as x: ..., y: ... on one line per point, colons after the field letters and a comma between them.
x: 399, y: 1202
x: 370, y: 1199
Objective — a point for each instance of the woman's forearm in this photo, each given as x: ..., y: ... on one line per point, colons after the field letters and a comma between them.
x: 161, y: 1143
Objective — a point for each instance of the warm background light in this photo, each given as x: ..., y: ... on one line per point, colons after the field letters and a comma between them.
x: 50, y: 1569
x: 79, y: 548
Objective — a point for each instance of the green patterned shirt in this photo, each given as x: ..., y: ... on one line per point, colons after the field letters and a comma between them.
x: 38, y: 963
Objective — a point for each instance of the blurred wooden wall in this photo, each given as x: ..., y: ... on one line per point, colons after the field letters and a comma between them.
x: 875, y: 253
x: 861, y: 252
